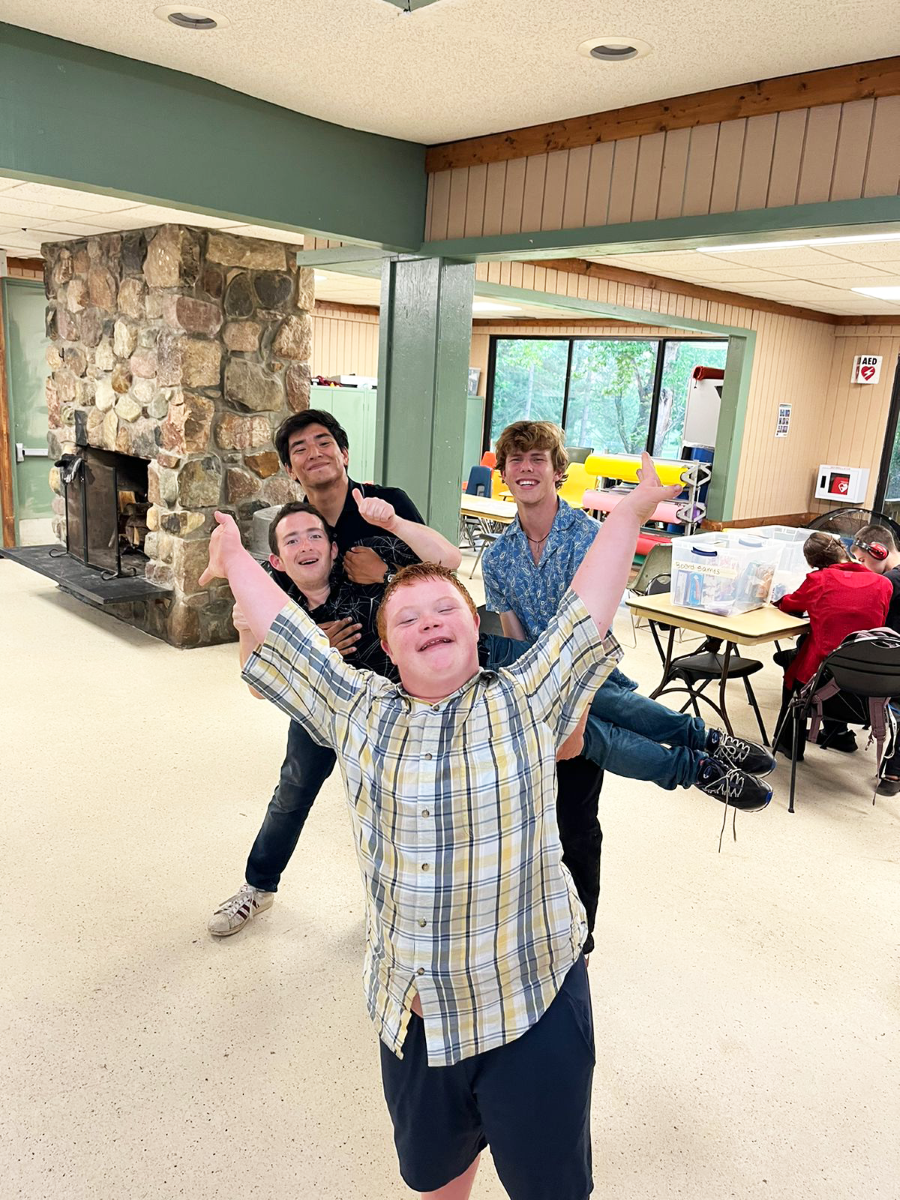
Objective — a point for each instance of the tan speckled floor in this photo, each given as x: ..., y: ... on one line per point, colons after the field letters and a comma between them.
x: 745, y: 1003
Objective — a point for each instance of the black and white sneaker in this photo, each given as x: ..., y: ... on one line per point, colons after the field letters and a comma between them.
x: 733, y: 786
x: 735, y: 752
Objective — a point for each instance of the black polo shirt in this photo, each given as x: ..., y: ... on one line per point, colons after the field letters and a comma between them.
x: 360, y: 601
x: 352, y: 530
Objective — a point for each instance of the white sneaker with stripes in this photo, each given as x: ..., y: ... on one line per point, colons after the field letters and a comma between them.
x: 234, y: 913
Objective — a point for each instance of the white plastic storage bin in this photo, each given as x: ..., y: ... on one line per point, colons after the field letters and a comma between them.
x: 724, y: 573
x: 791, y: 568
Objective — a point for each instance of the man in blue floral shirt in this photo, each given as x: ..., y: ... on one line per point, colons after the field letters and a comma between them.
x: 527, y: 571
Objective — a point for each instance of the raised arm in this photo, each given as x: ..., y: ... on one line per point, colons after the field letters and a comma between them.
x: 425, y: 542
x: 603, y: 575
x: 259, y: 597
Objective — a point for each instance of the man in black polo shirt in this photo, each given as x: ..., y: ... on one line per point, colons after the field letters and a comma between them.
x: 315, y: 451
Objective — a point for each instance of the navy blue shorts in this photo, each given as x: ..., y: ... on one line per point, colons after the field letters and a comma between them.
x: 529, y: 1100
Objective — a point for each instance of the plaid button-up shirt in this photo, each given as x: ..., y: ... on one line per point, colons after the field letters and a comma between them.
x: 453, y: 807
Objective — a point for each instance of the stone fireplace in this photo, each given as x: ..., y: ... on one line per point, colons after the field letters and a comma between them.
x: 183, y: 348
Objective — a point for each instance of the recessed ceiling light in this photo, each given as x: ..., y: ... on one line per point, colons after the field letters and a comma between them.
x: 488, y: 306
x: 879, y: 293
x: 614, y: 49
x: 848, y: 240
x: 189, y: 17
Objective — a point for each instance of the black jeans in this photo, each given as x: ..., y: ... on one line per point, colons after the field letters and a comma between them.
x: 578, y: 784
x: 305, y: 768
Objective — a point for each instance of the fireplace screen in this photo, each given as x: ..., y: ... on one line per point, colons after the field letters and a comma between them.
x: 106, y: 506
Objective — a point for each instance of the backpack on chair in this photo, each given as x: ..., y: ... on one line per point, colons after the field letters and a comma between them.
x: 865, y: 666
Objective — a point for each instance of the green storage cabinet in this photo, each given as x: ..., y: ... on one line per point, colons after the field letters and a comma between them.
x: 355, y: 409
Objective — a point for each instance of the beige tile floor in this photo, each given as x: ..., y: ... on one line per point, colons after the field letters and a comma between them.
x: 745, y: 1003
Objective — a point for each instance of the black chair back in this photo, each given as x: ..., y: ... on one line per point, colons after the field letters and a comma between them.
x: 867, y: 665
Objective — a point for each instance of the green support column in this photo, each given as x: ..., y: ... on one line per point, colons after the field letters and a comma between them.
x: 423, y: 361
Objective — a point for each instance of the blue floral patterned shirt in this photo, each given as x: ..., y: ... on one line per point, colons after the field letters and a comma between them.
x: 514, y: 582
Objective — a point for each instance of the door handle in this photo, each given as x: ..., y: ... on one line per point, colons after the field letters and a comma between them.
x: 23, y: 452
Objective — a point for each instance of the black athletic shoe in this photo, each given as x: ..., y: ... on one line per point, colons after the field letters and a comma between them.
x: 888, y: 787
x: 735, y: 752
x: 845, y: 741
x: 734, y: 787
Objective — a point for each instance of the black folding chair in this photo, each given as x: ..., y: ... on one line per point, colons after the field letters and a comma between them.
x: 698, y: 670
x: 864, y: 672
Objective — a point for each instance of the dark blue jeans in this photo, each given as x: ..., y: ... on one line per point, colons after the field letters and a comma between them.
x: 305, y: 768
x: 627, y: 733
x: 623, y: 735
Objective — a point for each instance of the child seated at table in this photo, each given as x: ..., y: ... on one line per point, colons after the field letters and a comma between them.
x: 840, y: 597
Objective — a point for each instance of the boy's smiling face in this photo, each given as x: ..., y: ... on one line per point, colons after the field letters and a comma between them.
x: 530, y: 476
x: 316, y: 460
x: 306, y: 553
x: 431, y: 637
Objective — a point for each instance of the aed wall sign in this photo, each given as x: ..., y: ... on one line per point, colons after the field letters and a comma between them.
x: 866, y: 368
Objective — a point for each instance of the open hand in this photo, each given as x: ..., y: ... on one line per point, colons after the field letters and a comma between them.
x: 375, y: 511
x: 224, y: 546
x: 650, y: 491
x: 342, y: 634
x: 363, y: 565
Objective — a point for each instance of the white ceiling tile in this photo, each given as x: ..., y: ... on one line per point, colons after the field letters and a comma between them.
x: 866, y: 252
x: 23, y: 241
x: 290, y: 237
x: 838, y: 271
x: 11, y: 206
x: 73, y: 228
x: 46, y: 193
x: 155, y: 214
x: 796, y: 256
x: 735, y: 274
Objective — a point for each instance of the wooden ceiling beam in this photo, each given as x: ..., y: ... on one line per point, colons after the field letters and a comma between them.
x: 833, y: 85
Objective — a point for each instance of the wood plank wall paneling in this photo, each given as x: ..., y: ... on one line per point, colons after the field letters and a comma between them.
x: 344, y: 342
x: 832, y: 152
x: 798, y: 361
x: 877, y: 78
x: 855, y: 415
x: 26, y: 268
x: 801, y: 362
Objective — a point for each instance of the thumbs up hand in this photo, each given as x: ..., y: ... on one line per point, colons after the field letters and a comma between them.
x: 374, y: 511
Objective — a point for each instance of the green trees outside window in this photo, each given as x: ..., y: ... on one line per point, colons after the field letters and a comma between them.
x: 614, y: 394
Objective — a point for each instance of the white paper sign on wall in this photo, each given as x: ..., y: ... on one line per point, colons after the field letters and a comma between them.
x: 866, y: 368
x: 4, y: 267
x: 783, y: 424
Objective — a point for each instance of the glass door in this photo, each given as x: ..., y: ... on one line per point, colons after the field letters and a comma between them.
x: 24, y: 307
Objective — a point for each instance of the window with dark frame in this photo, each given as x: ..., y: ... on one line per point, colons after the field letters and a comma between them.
x: 617, y: 395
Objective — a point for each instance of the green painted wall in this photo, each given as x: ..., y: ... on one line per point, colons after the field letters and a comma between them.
x: 84, y: 118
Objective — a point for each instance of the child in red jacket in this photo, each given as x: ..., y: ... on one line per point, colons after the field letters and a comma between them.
x: 841, y: 597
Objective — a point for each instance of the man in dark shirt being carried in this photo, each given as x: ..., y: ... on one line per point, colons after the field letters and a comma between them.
x: 315, y: 451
